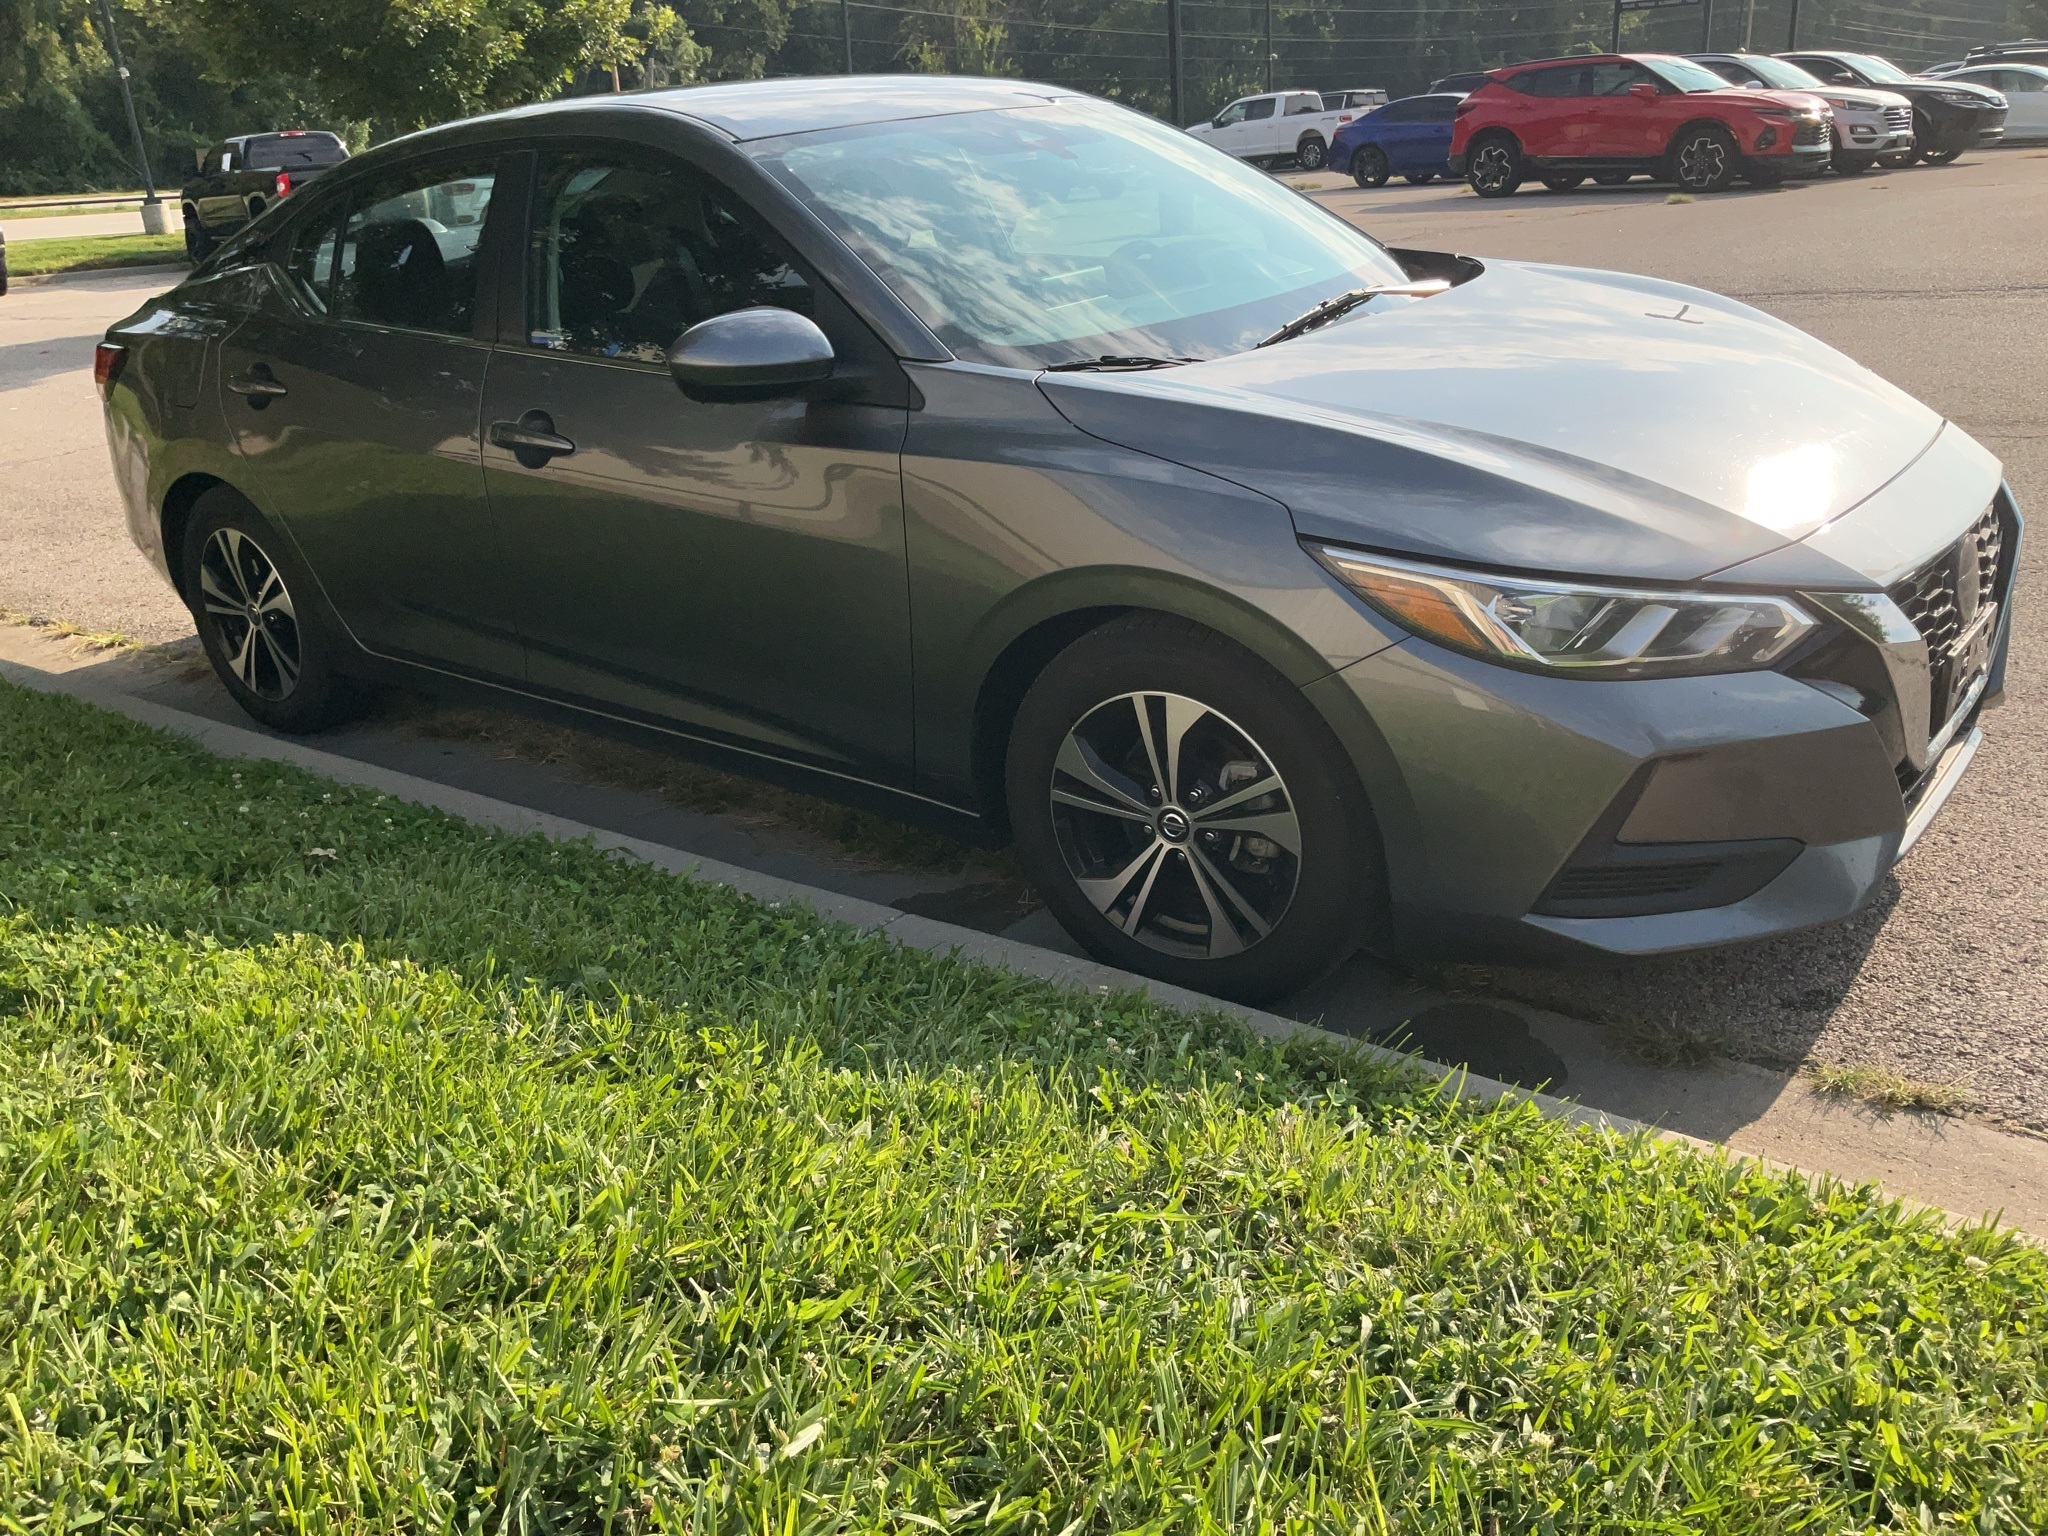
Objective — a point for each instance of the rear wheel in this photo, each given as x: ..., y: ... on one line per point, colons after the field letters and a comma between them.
x: 1494, y: 168
x: 260, y: 618
x: 1942, y: 156
x: 1310, y: 153
x: 1187, y: 815
x: 1561, y: 181
x: 1419, y: 178
x: 1369, y: 165
x: 1703, y: 158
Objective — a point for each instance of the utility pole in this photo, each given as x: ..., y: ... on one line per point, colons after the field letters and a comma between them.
x: 152, y: 205
x: 846, y: 32
x: 1706, y: 26
x: 1270, y: 54
x: 1615, y: 47
x: 1792, y: 29
x: 1173, y: 62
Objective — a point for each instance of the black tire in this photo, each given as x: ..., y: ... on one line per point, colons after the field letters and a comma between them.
x: 1942, y: 156
x: 1419, y: 178
x: 1369, y: 166
x: 1563, y: 181
x: 1612, y: 178
x: 1851, y: 165
x: 1899, y: 159
x: 1310, y: 153
x: 1703, y: 158
x: 198, y: 243
x: 1494, y: 166
x: 261, y: 618
x: 1282, y: 917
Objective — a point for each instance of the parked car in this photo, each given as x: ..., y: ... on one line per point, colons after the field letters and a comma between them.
x: 1353, y: 101
x: 2025, y: 89
x: 2028, y: 50
x: 239, y: 178
x: 1002, y: 457
x: 1462, y: 85
x: 1410, y: 137
x: 1613, y: 115
x: 1866, y: 123
x: 1282, y: 125
x: 1948, y: 117
x: 1936, y: 71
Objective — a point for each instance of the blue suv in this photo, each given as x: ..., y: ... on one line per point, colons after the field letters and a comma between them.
x: 1410, y: 137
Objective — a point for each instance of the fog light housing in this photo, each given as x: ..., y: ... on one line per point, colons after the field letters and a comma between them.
x: 1767, y: 138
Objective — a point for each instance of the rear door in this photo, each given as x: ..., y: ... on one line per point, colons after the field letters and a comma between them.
x: 1543, y: 113
x: 1430, y: 145
x: 735, y: 570
x: 354, y: 390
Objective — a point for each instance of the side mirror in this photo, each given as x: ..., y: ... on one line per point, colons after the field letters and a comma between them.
x: 750, y: 354
x: 1642, y: 90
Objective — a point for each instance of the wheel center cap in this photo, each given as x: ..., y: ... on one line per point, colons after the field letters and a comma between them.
x: 1174, y: 825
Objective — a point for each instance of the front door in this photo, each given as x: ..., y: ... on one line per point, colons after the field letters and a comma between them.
x: 1262, y: 129
x: 734, y: 570
x: 1623, y: 126
x: 1228, y: 131
x: 354, y: 391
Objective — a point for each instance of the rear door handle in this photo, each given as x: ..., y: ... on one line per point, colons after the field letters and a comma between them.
x: 257, y: 386
x: 532, y: 439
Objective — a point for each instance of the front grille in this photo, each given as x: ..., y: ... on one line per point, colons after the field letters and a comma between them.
x: 1622, y: 882
x: 1898, y: 119
x: 1944, y: 599
x: 1815, y: 132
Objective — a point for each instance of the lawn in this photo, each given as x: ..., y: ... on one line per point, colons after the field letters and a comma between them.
x: 372, y: 1172
x: 83, y: 253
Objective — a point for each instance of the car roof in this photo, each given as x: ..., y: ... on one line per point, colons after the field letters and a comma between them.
x: 2029, y: 65
x: 760, y: 109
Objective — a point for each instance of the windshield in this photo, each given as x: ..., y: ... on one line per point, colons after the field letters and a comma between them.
x: 1871, y: 67
x: 1039, y: 235
x: 1685, y: 74
x: 292, y: 151
x: 1777, y: 74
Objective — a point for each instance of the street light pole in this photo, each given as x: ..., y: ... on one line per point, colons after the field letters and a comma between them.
x: 1270, y: 55
x: 1615, y: 47
x: 846, y: 32
x: 152, y: 205
x: 1173, y: 61
x: 1706, y: 26
x: 1792, y: 29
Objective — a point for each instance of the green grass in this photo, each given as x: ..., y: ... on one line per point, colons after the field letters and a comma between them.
x: 370, y: 1172
x: 1882, y: 1088
x: 84, y: 253
x: 11, y: 212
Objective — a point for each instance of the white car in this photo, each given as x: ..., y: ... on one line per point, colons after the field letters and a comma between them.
x: 1353, y: 101
x: 1281, y: 125
x: 1868, y: 123
x: 2025, y: 88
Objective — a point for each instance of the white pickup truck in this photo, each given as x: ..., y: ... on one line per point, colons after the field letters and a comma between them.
x: 1283, y: 125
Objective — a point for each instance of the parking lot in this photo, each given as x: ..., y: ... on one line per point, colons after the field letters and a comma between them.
x: 1932, y: 277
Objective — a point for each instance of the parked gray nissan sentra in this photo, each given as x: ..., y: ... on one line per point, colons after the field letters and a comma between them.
x: 1000, y: 456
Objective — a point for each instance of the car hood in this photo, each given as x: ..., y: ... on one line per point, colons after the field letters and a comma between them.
x: 1534, y: 417
x: 1918, y: 88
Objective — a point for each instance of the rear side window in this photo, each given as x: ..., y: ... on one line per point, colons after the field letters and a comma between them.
x: 407, y: 254
x: 1437, y: 109
x: 1548, y: 82
x: 309, y: 259
x: 629, y: 252
x: 292, y: 151
x: 1255, y: 110
x: 1302, y: 106
x: 1400, y: 112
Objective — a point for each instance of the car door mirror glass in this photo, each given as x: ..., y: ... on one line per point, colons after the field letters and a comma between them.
x: 750, y: 354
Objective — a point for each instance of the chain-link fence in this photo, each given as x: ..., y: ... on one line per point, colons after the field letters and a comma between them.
x: 1123, y: 49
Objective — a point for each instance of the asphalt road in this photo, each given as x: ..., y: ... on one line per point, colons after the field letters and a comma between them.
x: 1933, y: 277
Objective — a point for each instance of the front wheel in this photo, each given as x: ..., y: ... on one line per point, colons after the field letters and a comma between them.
x: 1942, y: 156
x: 1703, y: 159
x: 1495, y: 168
x: 1187, y: 815
x: 260, y: 618
x: 1559, y: 181
x: 1310, y: 153
x: 1369, y: 166
x: 1851, y: 165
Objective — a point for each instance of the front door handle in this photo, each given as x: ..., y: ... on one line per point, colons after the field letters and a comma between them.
x: 532, y: 439
x: 257, y: 386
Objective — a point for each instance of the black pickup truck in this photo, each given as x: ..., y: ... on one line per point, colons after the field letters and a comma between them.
x: 238, y: 178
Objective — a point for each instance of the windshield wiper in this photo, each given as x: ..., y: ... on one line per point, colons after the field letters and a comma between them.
x: 1344, y: 303
x: 1110, y: 362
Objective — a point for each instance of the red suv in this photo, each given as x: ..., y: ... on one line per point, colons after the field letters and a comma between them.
x: 1613, y: 116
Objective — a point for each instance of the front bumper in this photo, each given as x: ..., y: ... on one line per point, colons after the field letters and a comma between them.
x: 1523, y: 813
x: 1874, y: 133
x: 1961, y: 128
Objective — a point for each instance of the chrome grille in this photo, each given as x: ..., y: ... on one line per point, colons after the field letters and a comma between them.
x: 1815, y: 132
x: 1946, y: 600
x: 1898, y: 119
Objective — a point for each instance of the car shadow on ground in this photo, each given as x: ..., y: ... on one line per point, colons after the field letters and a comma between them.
x: 25, y: 363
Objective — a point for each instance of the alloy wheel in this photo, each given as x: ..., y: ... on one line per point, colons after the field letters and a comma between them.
x: 251, y: 611
x: 1175, y: 825
x: 1493, y: 166
x: 1703, y: 162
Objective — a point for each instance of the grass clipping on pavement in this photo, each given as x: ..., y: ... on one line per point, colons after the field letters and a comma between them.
x: 371, y: 1172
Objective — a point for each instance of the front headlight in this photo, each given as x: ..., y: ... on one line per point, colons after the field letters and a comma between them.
x: 1575, y: 627
x: 1961, y: 99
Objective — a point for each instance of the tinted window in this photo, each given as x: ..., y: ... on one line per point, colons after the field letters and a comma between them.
x: 1397, y: 112
x: 292, y: 151
x: 1827, y: 70
x: 628, y: 253
x: 1436, y: 109
x: 1300, y: 106
x: 408, y: 252
x: 309, y: 258
x: 1549, y: 82
x: 1255, y: 110
x: 1681, y: 73
x: 1615, y: 79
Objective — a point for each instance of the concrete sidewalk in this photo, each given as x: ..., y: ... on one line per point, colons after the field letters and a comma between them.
x: 1961, y: 1166
x: 72, y: 226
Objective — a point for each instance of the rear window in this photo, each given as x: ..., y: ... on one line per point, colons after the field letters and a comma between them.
x: 292, y: 151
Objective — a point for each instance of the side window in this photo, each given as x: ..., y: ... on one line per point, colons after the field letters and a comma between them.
x: 1231, y: 115
x: 407, y: 254
x: 1438, y: 109
x: 1548, y: 82
x: 628, y: 253
x: 1304, y: 106
x: 1255, y: 111
x: 1399, y: 112
x: 1828, y: 70
x: 1614, y: 79
x: 309, y: 259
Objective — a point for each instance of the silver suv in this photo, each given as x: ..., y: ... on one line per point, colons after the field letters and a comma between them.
x: 1868, y: 123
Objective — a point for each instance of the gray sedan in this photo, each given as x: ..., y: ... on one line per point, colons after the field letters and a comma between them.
x: 1003, y: 458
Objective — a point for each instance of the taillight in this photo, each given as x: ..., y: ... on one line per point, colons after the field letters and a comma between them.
x: 108, y: 359
x: 1465, y: 106
x: 284, y: 183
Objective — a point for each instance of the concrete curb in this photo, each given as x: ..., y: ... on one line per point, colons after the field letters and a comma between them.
x: 902, y: 927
